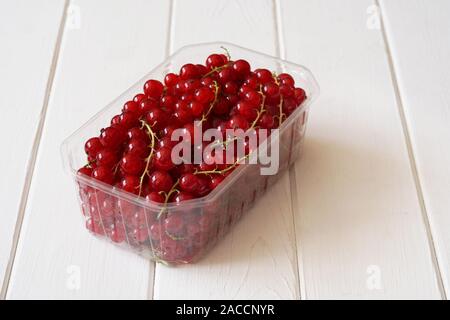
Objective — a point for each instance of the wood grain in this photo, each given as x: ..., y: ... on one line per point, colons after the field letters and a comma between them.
x: 418, y: 33
x: 359, y: 223
x: 98, y: 61
x: 257, y: 260
x: 26, y: 29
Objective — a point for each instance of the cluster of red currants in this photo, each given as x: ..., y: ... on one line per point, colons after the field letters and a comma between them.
x: 134, y: 152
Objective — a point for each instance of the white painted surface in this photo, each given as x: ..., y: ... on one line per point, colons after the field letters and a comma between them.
x: 420, y: 50
x: 28, y: 32
x: 98, y: 60
x: 356, y: 200
x: 356, y: 211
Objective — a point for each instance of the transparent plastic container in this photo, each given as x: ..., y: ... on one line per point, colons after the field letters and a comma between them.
x: 132, y: 222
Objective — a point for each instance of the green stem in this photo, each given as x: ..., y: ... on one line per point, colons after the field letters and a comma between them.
x: 152, y: 136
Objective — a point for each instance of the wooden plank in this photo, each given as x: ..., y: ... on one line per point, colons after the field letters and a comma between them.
x: 257, y: 260
x: 100, y: 58
x: 28, y: 32
x: 358, y: 218
x: 418, y: 33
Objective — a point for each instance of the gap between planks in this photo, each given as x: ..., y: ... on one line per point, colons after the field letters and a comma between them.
x: 34, y: 152
x: 412, y: 160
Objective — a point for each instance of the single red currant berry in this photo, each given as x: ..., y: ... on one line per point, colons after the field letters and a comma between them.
x: 247, y: 110
x: 188, y: 71
x: 106, y: 157
x: 225, y: 75
x: 232, y: 99
x: 204, y: 95
x: 230, y: 88
x: 271, y: 90
x: 93, y: 146
x: 85, y: 170
x: 266, y: 121
x: 203, y: 186
x: 286, y: 79
x: 138, y: 147
x: 115, y: 121
x: 253, y: 97
x: 130, y: 184
x: 183, y: 115
x: 196, y: 108
x: 160, y: 181
x: 215, y: 61
x: 103, y: 174
x: 131, y: 164
x: 191, y: 86
x: 201, y: 70
x: 138, y: 134
x: 112, y: 137
x: 215, y: 180
x: 300, y: 95
x: 189, y: 183
x: 147, y: 105
x: 157, y: 118
x: 224, y: 57
x: 131, y: 106
x: 139, y: 97
x: 238, y: 122
x: 168, y: 102
x: 128, y: 120
x: 252, y: 81
x: 286, y: 91
x: 153, y: 89
x: 163, y: 159
x: 289, y: 105
x: 171, y: 79
x: 181, y: 197
x: 242, y: 68
x: 264, y: 75
x: 155, y: 197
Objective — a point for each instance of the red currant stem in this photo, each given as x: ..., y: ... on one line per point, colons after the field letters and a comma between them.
x: 152, y: 136
x: 282, y: 115
x: 227, y: 53
x: 215, y: 171
x: 217, y: 69
x: 216, y: 95
x: 280, y: 106
x: 174, y: 237
x: 116, y: 167
x: 261, y: 109
x: 167, y: 197
x: 88, y: 165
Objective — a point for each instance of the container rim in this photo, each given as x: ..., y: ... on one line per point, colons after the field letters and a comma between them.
x: 229, y: 180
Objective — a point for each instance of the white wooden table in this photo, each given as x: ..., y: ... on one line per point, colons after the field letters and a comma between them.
x: 364, y: 214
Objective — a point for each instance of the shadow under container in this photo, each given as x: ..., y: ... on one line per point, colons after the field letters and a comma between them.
x: 134, y: 223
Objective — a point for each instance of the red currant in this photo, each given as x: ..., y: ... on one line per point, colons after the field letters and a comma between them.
x: 160, y: 181
x: 153, y: 89
x: 132, y: 164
